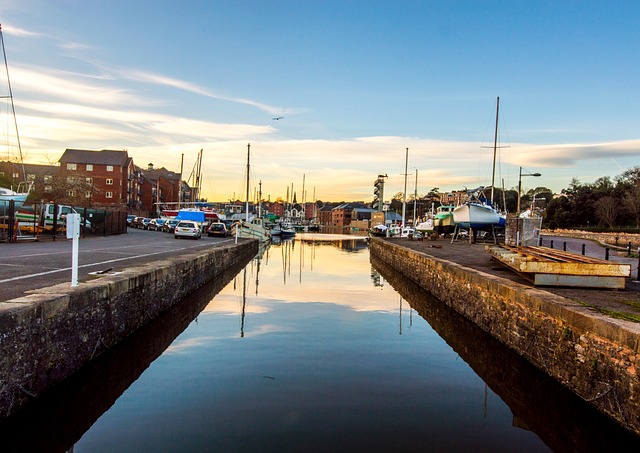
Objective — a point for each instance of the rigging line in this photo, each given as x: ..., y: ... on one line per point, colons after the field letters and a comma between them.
x: 13, y: 108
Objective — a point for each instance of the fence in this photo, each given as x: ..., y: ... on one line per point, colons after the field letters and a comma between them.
x: 47, y: 221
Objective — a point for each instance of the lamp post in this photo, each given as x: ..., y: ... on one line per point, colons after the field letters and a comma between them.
x: 520, y: 175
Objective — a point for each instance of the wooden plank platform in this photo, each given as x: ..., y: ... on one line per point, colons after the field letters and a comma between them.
x: 549, y: 267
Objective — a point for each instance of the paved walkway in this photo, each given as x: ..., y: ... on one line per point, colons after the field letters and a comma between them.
x: 32, y: 265
x: 474, y: 256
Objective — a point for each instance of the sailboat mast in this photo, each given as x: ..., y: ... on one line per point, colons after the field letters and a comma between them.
x: 260, y: 200
x: 404, y: 193
x: 495, y: 149
x: 13, y: 107
x: 180, y: 186
x: 415, y: 199
x: 247, y: 204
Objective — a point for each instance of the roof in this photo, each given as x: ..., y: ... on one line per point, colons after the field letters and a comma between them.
x: 104, y: 157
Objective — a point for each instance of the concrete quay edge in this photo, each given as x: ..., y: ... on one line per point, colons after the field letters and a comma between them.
x: 49, y: 333
x: 595, y: 356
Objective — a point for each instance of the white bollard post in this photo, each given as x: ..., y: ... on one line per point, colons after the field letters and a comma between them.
x: 73, y: 233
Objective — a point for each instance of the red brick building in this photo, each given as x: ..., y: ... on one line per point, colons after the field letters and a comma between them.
x: 104, y: 177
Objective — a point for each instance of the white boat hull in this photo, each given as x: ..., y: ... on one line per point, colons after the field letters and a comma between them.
x: 476, y: 216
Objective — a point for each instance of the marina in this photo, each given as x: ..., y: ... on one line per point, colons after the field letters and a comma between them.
x: 313, y: 345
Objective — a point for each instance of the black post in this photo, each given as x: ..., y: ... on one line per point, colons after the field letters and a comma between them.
x: 606, y: 253
x: 638, y: 276
x: 54, y: 231
x: 564, y: 246
x: 583, y: 247
x: 551, y: 246
x: 629, y: 249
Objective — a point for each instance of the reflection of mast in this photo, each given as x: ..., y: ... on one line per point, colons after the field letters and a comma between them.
x: 244, y: 302
x: 400, y: 315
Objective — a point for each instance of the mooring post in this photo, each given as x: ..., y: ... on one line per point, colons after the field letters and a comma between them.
x: 606, y: 253
x: 638, y: 276
x: 583, y: 247
x: 629, y: 249
x: 564, y: 246
x: 551, y: 245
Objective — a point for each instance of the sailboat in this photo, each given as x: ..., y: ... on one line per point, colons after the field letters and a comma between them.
x: 21, y: 193
x: 478, y: 213
x: 252, y: 228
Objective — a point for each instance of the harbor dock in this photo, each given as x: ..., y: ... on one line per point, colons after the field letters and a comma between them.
x: 578, y: 336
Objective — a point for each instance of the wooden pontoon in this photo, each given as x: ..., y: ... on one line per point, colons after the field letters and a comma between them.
x: 549, y: 267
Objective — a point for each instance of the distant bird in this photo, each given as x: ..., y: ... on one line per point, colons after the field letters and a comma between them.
x: 277, y: 118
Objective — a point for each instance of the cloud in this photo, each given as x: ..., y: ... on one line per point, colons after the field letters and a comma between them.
x: 147, y: 77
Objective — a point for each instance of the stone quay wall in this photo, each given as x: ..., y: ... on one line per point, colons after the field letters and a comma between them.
x: 595, y: 356
x: 48, y: 334
x: 618, y: 240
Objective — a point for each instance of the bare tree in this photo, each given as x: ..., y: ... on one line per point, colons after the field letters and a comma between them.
x: 632, y: 202
x: 607, y: 210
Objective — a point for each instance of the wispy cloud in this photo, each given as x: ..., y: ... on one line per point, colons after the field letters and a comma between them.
x: 141, y: 76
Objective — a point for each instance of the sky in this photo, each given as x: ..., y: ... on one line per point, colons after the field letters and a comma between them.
x: 355, y: 82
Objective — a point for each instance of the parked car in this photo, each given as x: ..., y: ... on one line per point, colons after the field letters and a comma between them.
x: 144, y: 223
x: 130, y: 219
x: 218, y: 229
x: 170, y: 225
x: 137, y: 222
x: 187, y: 229
x: 156, y: 224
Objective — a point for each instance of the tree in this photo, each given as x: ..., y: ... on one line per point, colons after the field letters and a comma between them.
x: 607, y: 210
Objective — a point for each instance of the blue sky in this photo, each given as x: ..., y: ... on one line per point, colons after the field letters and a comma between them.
x: 357, y: 82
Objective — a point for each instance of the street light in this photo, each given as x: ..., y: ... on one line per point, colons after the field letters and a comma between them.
x: 520, y: 185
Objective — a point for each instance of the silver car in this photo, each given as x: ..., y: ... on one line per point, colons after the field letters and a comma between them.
x: 187, y: 229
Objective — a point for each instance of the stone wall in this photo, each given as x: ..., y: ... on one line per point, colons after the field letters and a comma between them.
x: 595, y: 356
x: 48, y: 334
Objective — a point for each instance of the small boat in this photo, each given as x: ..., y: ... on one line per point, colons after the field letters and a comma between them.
x: 443, y: 222
x: 426, y: 226
x: 286, y: 229
x: 478, y: 213
x: 378, y: 230
x: 18, y: 197
x: 253, y: 228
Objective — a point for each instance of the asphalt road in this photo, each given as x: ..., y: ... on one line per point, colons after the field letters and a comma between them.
x: 32, y: 265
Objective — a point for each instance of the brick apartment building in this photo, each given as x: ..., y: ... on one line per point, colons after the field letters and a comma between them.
x: 103, y: 178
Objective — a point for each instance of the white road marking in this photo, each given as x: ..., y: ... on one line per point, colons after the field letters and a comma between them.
x: 39, y: 274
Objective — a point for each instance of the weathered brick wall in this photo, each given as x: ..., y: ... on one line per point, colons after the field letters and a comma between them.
x: 595, y: 356
x: 50, y: 333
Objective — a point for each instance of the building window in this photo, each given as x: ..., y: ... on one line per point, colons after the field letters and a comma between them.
x: 89, y: 167
x: 48, y: 189
x: 71, y: 193
x: 31, y: 177
x: 16, y: 175
x: 109, y: 182
x: 89, y: 180
x: 87, y: 194
x: 70, y: 180
x: 71, y: 166
x: 48, y: 179
x: 109, y: 167
x: 108, y: 194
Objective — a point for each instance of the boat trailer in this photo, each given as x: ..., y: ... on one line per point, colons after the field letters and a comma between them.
x: 543, y: 266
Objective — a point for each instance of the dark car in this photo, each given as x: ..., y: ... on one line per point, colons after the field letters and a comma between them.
x: 144, y: 223
x: 169, y: 226
x: 218, y: 229
x: 156, y: 224
x: 137, y: 222
x: 130, y: 219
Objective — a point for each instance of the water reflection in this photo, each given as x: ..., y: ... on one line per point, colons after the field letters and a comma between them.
x: 538, y: 403
x: 55, y: 421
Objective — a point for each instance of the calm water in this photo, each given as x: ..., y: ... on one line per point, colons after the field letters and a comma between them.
x: 312, y: 349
